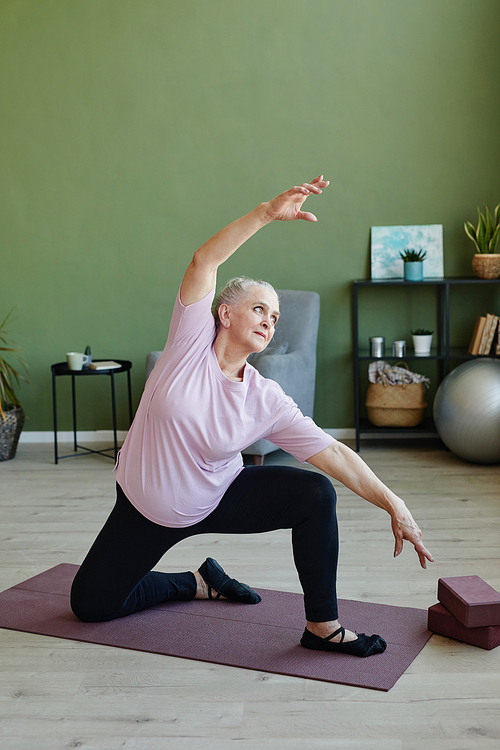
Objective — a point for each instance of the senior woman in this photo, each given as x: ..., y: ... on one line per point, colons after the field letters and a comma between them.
x: 180, y: 470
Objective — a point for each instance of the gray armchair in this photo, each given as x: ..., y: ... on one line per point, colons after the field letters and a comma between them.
x: 290, y: 359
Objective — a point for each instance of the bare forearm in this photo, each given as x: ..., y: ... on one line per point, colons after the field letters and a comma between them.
x: 222, y: 245
x: 342, y: 463
x: 201, y: 274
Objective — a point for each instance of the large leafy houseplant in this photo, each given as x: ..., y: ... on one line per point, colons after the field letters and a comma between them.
x: 485, y: 235
x: 11, y: 413
x: 486, y: 261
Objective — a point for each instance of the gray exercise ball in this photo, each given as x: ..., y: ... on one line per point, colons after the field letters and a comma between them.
x: 467, y: 411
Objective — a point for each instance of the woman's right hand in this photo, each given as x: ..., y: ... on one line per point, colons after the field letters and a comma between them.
x: 288, y: 205
x: 201, y: 273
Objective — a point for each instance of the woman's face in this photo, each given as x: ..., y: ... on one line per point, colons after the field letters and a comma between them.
x: 250, y: 322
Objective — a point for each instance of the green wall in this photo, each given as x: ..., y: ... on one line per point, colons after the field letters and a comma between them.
x: 134, y: 129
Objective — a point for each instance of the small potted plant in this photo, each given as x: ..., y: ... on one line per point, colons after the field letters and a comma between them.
x: 11, y: 413
x: 422, y: 341
x: 413, y: 264
x: 486, y: 262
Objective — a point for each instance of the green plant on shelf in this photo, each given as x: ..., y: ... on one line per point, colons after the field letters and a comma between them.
x: 485, y: 235
x: 409, y: 255
x: 9, y: 376
x: 421, y: 332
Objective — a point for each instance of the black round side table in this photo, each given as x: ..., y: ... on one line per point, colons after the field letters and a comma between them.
x: 62, y: 369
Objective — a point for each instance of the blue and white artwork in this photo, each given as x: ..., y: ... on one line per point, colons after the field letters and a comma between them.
x: 388, y: 242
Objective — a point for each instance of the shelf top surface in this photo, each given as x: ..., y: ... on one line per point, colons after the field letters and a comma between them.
x: 433, y: 281
x: 61, y: 368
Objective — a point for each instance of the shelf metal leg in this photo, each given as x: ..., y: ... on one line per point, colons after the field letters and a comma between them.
x: 54, y: 415
x: 73, y: 395
x: 113, y: 402
x: 447, y: 328
x: 356, y: 367
x: 130, y: 413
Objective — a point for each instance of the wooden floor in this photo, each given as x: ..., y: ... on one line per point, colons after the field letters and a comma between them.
x: 59, y: 694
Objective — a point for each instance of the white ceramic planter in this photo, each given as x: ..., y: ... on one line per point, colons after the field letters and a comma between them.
x: 422, y: 345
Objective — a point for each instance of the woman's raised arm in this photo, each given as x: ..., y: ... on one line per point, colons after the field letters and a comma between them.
x: 201, y: 273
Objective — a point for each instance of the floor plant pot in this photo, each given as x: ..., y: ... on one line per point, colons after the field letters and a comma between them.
x: 486, y: 265
x: 422, y: 345
x: 10, y: 430
x: 413, y: 270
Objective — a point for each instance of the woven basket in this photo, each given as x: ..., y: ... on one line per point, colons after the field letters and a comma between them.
x: 395, y: 405
x: 486, y: 265
x: 10, y: 430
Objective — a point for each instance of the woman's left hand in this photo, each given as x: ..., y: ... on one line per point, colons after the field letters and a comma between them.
x: 404, y: 527
x: 287, y: 206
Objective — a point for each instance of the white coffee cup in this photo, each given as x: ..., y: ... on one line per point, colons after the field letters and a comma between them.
x: 76, y: 360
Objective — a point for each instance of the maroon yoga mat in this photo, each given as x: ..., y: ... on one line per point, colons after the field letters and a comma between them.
x: 264, y: 637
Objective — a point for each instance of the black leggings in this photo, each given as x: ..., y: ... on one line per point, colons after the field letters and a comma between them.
x: 116, y: 579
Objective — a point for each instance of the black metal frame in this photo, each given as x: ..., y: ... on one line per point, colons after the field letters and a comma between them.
x: 62, y: 369
x: 442, y: 353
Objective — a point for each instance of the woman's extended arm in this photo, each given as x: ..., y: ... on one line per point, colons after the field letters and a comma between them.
x: 201, y: 273
x: 341, y: 463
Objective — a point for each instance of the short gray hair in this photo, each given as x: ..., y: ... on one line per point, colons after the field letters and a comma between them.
x: 236, y: 290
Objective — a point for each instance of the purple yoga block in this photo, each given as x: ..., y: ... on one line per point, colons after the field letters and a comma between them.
x: 474, y: 602
x: 441, y: 621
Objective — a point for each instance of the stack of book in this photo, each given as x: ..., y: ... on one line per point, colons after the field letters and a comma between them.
x: 104, y: 364
x: 468, y: 611
x: 484, y: 334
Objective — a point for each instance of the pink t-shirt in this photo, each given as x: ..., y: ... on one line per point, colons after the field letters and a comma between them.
x: 183, y: 449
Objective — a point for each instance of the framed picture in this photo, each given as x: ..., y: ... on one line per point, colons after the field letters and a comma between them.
x: 388, y: 242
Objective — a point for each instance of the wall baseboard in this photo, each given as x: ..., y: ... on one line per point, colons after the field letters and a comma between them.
x: 341, y: 433
x: 96, y: 436
x: 88, y: 436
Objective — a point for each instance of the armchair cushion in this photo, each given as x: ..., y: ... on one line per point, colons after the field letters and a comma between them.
x: 290, y: 359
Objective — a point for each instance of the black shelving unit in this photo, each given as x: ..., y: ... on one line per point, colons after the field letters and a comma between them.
x: 443, y: 354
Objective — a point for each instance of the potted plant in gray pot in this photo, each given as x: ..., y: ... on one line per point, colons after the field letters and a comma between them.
x: 11, y: 412
x: 413, y: 264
